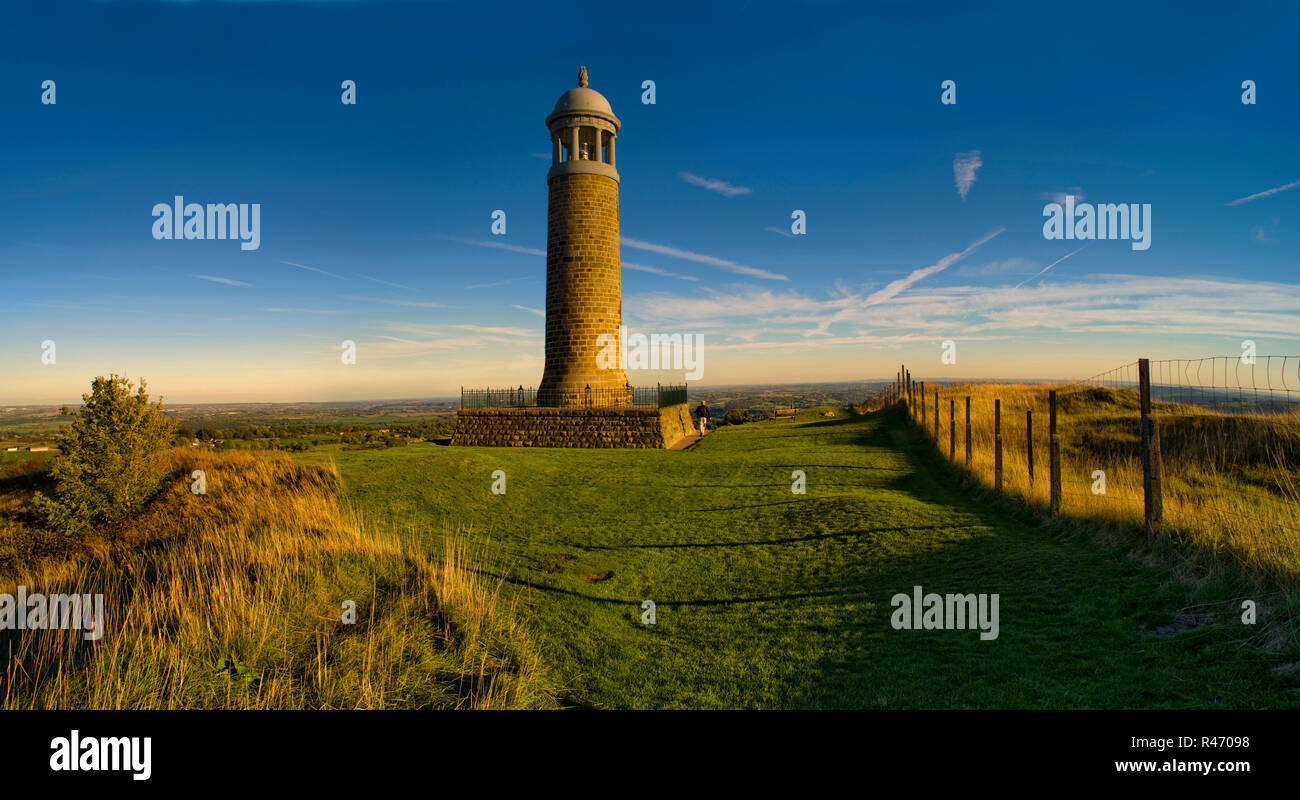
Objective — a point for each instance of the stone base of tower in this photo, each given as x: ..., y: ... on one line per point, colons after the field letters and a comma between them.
x: 572, y: 427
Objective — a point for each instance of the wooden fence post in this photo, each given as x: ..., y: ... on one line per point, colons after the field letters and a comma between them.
x: 968, y: 431
x: 952, y: 429
x: 1151, y: 467
x: 921, y: 397
x: 1054, y: 440
x: 1029, y: 443
x: 936, y: 417
x: 997, y: 445
x: 911, y: 406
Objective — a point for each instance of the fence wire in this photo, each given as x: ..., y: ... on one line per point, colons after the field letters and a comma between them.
x: 1230, y: 384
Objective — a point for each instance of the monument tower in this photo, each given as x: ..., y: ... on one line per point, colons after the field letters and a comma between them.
x: 578, y: 404
x: 584, y: 287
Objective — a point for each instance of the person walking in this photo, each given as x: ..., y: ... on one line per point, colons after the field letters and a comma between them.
x: 703, y: 414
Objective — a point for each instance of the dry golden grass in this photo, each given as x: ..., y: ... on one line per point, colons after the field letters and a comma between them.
x: 1231, y: 496
x: 234, y: 599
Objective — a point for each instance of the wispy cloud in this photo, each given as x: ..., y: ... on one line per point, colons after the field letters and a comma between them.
x: 716, y: 307
x: 385, y: 283
x: 658, y: 271
x: 730, y: 266
x: 963, y: 171
x: 1145, y: 305
x: 850, y: 306
x: 392, y: 302
x: 406, y: 340
x: 496, y: 283
x: 536, y: 311
x: 226, y: 281
x: 714, y: 184
x: 895, y: 288
x: 314, y: 269
x: 1059, y: 197
x: 514, y: 248
x: 1006, y: 266
x: 1046, y: 268
x: 305, y: 311
x: 521, y: 333
x: 1265, y: 193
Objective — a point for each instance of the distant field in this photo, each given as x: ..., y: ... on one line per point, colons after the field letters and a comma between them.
x: 29, y: 421
x: 771, y: 599
x: 45, y: 421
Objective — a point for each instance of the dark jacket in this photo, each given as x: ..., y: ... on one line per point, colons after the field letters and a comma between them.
x: 702, y: 412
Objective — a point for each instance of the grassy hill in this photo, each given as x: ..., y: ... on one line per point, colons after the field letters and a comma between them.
x: 235, y: 599
x: 767, y: 598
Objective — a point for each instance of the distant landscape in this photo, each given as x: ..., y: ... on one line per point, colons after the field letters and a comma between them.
x: 432, y: 418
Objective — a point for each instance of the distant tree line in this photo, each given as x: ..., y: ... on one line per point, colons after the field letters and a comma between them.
x: 349, y: 433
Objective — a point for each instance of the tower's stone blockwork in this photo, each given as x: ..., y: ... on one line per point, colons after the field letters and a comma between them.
x: 584, y: 294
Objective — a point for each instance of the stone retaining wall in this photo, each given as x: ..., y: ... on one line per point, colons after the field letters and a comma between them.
x: 572, y: 427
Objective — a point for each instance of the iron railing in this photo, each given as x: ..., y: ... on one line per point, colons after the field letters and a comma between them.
x: 658, y: 396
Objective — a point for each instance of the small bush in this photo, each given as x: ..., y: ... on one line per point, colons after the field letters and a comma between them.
x: 107, y: 466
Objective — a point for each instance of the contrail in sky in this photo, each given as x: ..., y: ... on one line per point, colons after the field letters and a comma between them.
x: 1046, y: 268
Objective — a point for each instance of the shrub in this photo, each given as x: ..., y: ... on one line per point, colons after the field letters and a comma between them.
x: 107, y: 466
x: 737, y: 417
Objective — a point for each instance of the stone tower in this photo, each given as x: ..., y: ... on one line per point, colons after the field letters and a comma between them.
x: 584, y: 286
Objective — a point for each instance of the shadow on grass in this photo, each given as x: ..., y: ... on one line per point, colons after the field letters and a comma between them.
x: 846, y: 592
x: 786, y: 540
x: 1075, y: 609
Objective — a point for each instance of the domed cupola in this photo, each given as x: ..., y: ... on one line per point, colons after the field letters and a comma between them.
x: 583, y: 130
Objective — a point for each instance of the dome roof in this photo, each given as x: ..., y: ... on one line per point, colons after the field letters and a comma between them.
x: 582, y: 99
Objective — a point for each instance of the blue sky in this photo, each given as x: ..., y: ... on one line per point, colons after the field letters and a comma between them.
x: 831, y: 108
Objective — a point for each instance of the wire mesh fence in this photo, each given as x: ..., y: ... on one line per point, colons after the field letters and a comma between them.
x: 1214, y: 462
x: 658, y: 396
x: 1231, y: 384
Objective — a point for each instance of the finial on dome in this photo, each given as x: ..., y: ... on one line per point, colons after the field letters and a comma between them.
x: 582, y: 77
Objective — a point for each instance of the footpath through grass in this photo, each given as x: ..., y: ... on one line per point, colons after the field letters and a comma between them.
x: 767, y: 598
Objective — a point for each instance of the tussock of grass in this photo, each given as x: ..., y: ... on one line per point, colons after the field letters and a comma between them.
x: 234, y: 599
x: 1231, y: 496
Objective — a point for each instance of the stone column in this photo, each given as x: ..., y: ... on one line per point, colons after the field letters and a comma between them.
x: 555, y: 149
x: 573, y: 142
x: 612, y: 137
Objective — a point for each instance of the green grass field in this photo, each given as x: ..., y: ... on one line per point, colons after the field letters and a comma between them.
x: 767, y: 598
